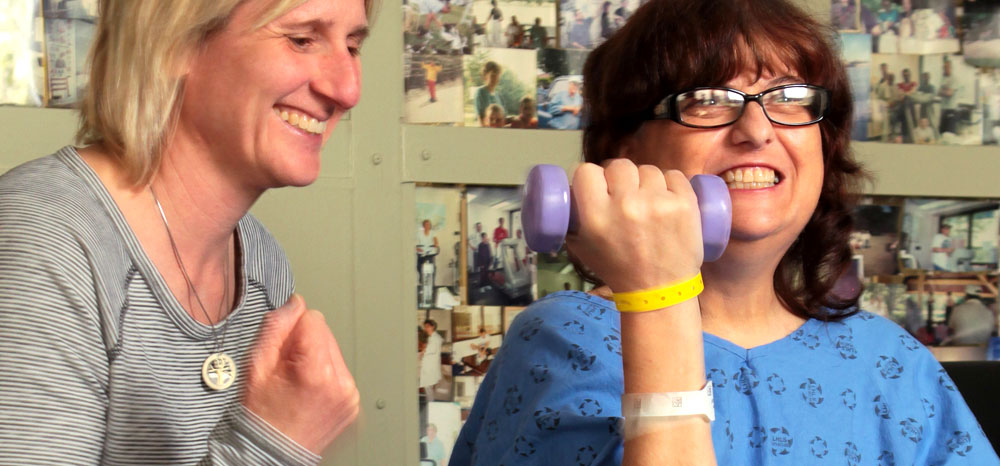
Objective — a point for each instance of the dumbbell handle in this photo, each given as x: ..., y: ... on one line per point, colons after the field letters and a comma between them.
x: 548, y: 214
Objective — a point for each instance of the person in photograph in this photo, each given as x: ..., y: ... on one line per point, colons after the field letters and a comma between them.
x: 924, y: 132
x: 844, y: 14
x: 430, y: 360
x: 566, y: 106
x: 486, y: 94
x: 607, y: 22
x: 473, y: 243
x: 482, y: 343
x: 499, y: 234
x: 494, y: 35
x: 926, y: 96
x: 947, y: 91
x: 435, y: 449
x: 772, y: 329
x: 942, y: 248
x: 622, y: 13
x: 147, y: 317
x: 579, y: 31
x: 538, y: 34
x: 514, y: 34
x: 427, y: 249
x: 483, y: 260
x: 495, y: 116
x: 454, y: 38
x: 526, y: 118
x: 521, y: 251
x: 905, y: 117
x: 431, y: 70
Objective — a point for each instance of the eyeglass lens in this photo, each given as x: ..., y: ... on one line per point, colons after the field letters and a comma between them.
x: 788, y: 105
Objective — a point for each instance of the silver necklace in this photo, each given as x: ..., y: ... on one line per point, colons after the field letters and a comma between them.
x: 219, y: 370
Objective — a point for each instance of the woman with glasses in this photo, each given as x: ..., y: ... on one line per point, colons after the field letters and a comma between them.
x: 760, y: 357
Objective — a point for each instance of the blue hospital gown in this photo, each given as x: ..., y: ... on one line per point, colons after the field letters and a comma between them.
x: 857, y: 392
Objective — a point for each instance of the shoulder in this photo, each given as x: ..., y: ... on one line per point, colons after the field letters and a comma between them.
x: 48, y: 205
x: 265, y: 261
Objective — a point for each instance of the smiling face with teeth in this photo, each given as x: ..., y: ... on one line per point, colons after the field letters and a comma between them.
x: 259, y: 102
x: 774, y: 172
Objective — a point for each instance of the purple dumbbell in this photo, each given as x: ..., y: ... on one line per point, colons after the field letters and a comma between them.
x: 547, y: 213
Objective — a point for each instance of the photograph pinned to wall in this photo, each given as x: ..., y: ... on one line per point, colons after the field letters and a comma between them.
x: 528, y: 24
x: 434, y: 92
x: 501, y: 267
x: 911, y: 27
x: 885, y: 299
x: 557, y: 273
x: 875, y: 239
x: 22, y: 74
x: 950, y: 235
x: 438, y: 240
x: 69, y: 30
x: 953, y: 110
x: 497, y: 81
x: 473, y: 356
x: 856, y: 53
x: 989, y: 85
x: 560, y: 88
x: 437, y: 27
x: 435, y: 356
x: 585, y: 24
x: 509, y: 314
x: 893, y: 107
x: 845, y: 15
x: 444, y: 422
x: 981, y: 27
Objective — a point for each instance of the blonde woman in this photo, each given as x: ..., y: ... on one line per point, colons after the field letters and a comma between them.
x: 145, y: 316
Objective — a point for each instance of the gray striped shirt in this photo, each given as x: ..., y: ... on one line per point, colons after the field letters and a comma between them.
x: 99, y: 363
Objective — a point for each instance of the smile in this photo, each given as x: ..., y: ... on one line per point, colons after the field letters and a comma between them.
x: 750, y: 178
x: 302, y: 122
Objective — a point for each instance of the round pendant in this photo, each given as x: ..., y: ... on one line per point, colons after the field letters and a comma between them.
x: 218, y: 371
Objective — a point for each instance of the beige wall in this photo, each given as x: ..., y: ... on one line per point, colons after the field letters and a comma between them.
x: 350, y: 235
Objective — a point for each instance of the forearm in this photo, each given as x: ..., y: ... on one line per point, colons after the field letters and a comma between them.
x: 662, y: 351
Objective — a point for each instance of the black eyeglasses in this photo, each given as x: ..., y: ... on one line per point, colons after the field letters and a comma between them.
x: 713, y: 107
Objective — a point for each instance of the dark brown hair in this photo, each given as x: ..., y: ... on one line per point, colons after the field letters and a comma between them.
x: 671, y: 45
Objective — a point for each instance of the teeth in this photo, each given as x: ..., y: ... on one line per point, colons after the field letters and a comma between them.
x: 750, y: 178
x: 302, y: 122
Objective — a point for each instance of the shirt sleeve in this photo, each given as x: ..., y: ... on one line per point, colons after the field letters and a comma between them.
x: 52, y: 352
x: 553, y: 394
x: 949, y: 433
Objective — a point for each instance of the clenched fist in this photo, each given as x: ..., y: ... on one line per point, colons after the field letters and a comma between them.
x: 298, y: 381
x: 640, y: 227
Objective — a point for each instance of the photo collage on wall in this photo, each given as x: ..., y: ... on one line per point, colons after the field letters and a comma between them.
x: 475, y: 274
x: 930, y: 265
x: 501, y: 63
x: 922, y: 71
x: 43, y: 51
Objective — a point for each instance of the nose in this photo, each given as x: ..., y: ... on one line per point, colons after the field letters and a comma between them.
x: 753, y: 129
x: 338, y: 78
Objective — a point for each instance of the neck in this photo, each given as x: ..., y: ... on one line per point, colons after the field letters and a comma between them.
x: 740, y: 303
x: 201, y: 204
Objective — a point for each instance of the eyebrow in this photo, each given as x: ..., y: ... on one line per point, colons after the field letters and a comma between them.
x: 787, y: 79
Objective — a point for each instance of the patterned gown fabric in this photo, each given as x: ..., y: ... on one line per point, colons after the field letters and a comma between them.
x: 99, y: 363
x: 856, y: 392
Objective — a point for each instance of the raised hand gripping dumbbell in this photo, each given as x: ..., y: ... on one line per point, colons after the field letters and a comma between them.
x: 547, y: 213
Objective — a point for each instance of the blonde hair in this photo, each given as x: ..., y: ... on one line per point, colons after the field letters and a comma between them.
x: 135, y: 88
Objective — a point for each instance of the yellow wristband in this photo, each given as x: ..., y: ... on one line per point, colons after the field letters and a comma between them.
x: 659, y: 298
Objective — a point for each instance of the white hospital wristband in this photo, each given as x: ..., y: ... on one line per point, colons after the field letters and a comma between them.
x: 671, y: 404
